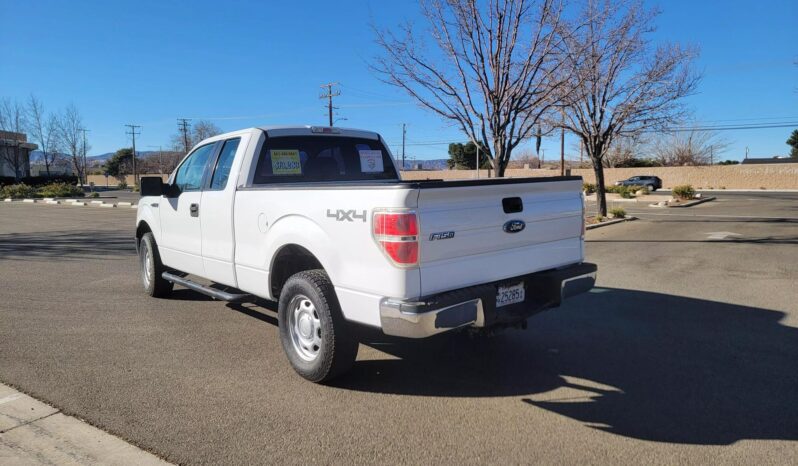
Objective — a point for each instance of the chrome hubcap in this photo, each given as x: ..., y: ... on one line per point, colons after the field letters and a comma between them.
x: 146, y: 262
x: 305, y: 327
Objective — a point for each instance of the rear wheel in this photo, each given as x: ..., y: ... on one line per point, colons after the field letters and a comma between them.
x: 313, y: 332
x: 152, y: 268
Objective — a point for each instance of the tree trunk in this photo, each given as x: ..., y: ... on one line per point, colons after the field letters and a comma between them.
x: 601, y: 196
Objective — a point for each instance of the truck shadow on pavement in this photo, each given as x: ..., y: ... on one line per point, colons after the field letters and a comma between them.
x: 643, y: 365
x: 67, y: 245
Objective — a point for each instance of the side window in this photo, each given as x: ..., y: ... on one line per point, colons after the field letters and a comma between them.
x: 189, y: 175
x: 222, y: 171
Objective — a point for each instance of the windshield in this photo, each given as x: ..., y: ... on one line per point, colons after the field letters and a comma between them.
x: 298, y: 159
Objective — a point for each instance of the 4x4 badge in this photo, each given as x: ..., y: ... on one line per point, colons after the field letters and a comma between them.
x: 341, y: 215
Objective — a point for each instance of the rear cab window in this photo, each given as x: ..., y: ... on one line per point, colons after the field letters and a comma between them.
x: 302, y: 159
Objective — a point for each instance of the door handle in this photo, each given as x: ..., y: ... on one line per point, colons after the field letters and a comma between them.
x: 194, y: 209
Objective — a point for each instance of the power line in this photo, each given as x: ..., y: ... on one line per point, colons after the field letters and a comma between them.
x: 675, y: 129
x: 133, y: 133
x: 329, y: 95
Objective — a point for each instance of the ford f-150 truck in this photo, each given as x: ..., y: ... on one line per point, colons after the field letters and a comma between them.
x: 318, y: 219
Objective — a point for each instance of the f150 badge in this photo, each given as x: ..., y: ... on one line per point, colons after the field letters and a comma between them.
x: 341, y: 215
x: 514, y: 226
x: 441, y: 235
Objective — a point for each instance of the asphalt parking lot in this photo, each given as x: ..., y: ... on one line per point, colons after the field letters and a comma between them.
x: 684, y: 353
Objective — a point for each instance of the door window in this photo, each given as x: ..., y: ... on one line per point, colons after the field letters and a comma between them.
x: 222, y: 171
x: 189, y: 175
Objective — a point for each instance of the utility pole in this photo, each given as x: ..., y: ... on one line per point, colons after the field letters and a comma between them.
x: 85, y: 167
x: 329, y: 95
x: 133, y: 133
x: 562, y: 145
x: 711, y: 155
x: 160, y: 158
x: 562, y: 151
x: 404, y: 133
x: 182, y: 125
x: 581, y: 146
x: 477, y: 161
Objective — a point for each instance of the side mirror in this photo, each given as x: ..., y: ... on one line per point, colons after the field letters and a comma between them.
x: 151, y: 186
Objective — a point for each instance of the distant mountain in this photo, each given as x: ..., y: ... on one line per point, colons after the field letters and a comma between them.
x: 432, y: 164
x: 37, y: 157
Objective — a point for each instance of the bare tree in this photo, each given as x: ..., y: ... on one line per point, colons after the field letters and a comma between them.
x: 493, y: 74
x: 201, y: 129
x: 70, y: 125
x: 12, y: 119
x: 689, y: 148
x: 621, y: 84
x: 44, y: 131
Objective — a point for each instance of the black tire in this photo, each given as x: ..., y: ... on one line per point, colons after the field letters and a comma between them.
x: 151, y: 270
x: 314, y: 334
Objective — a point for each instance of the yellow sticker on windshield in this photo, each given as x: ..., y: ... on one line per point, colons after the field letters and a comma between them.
x: 286, y: 162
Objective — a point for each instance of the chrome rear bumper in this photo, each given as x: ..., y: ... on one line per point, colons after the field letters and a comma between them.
x: 475, y: 306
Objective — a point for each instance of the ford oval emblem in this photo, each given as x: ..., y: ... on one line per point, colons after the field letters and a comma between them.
x: 514, y: 226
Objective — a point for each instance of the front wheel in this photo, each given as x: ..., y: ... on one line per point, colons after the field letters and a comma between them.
x: 313, y: 332
x: 152, y: 268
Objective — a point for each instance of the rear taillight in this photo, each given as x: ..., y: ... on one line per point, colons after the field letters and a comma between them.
x: 397, y: 235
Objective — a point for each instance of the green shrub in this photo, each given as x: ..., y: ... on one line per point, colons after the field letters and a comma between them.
x: 94, y: 195
x: 627, y: 192
x: 684, y: 191
x: 589, y: 188
x: 60, y: 190
x: 135, y: 188
x: 122, y: 185
x: 18, y: 191
x: 618, y: 212
x: 599, y: 218
x: 612, y: 188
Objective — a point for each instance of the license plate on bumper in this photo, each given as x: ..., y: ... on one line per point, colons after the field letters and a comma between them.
x: 512, y: 294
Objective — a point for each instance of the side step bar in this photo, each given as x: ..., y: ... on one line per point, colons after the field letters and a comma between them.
x: 212, y: 292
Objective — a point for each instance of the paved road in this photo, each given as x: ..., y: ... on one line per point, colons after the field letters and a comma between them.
x: 685, y: 353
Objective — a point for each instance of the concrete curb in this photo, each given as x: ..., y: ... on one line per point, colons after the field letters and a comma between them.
x: 37, y: 433
x: 695, y: 202
x: 689, y: 204
x: 76, y: 203
x: 610, y: 222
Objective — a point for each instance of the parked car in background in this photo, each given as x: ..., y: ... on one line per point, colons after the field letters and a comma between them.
x: 652, y: 183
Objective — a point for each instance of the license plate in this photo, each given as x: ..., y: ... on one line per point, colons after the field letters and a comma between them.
x: 510, y: 295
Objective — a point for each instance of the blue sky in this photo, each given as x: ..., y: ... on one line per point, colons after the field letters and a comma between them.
x: 243, y: 63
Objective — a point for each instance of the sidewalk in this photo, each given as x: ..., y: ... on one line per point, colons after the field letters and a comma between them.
x: 33, y: 433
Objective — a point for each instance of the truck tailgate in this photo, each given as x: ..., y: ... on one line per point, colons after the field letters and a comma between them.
x: 480, y: 249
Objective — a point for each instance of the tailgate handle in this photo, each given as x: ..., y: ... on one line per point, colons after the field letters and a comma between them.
x: 512, y: 205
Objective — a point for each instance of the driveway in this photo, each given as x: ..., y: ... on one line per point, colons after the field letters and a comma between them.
x: 684, y: 353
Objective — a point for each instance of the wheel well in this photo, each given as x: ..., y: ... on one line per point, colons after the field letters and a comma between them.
x: 140, y: 230
x: 289, y: 260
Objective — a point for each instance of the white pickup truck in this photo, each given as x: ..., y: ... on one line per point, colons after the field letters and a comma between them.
x: 318, y: 219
